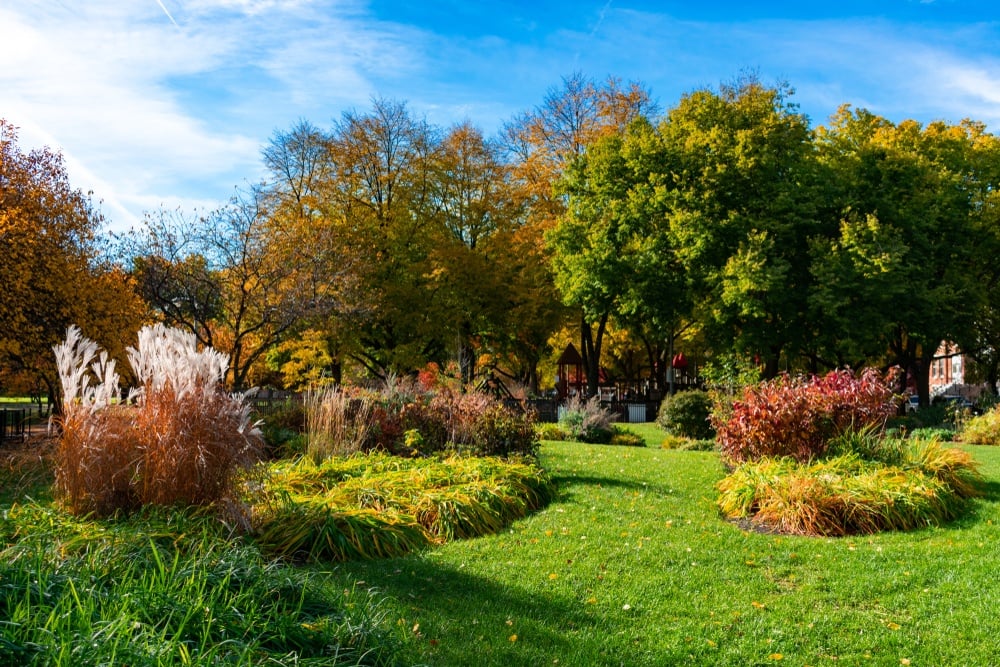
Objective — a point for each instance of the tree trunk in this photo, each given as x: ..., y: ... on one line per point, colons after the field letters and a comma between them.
x: 591, y: 352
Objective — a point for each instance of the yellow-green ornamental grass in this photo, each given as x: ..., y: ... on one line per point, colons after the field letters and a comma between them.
x: 982, y: 430
x: 848, y: 494
x: 379, y: 506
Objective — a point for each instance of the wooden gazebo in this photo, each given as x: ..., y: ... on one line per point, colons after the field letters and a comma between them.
x: 571, y: 376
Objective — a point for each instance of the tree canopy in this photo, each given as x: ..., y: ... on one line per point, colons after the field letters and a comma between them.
x: 382, y: 243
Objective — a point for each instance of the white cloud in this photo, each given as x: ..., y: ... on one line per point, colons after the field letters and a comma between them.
x: 143, y: 106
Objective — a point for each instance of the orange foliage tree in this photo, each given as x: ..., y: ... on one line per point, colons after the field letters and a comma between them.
x: 52, y: 273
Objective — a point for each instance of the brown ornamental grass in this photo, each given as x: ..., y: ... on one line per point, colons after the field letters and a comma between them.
x: 178, y: 438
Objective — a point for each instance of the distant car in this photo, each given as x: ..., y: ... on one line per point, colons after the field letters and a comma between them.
x: 957, y: 403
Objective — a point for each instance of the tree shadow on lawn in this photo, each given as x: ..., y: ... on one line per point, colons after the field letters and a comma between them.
x: 991, y: 491
x: 504, y: 625
x: 562, y: 480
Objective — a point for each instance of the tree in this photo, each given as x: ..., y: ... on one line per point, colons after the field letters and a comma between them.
x: 543, y: 142
x: 52, y: 271
x: 429, y: 228
x: 227, y: 277
x: 740, y: 201
x: 912, y: 235
x: 480, y: 213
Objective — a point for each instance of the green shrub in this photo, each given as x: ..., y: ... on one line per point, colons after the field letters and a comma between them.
x: 683, y: 444
x: 281, y: 429
x: 178, y: 439
x: 932, y: 433
x: 798, y: 416
x: 687, y: 414
x: 585, y: 420
x: 933, y: 416
x: 550, y: 431
x: 626, y: 438
x: 982, y: 430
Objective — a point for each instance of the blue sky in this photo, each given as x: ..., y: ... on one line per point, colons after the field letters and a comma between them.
x: 167, y: 103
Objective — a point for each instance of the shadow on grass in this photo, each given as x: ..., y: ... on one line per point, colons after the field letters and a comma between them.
x: 562, y: 481
x: 467, y: 619
x: 991, y: 491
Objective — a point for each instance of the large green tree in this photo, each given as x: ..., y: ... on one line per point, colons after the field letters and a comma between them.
x: 741, y: 206
x: 909, y: 253
x: 611, y: 253
x: 544, y: 141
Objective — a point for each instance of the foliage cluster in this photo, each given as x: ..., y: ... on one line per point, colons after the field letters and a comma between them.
x: 169, y: 587
x: 798, y: 416
x: 405, y: 418
x: 177, y: 439
x: 619, y: 435
x: 586, y: 420
x: 925, y: 484
x: 381, y: 506
x: 282, y: 428
x: 683, y: 444
x: 983, y: 429
x: 687, y: 414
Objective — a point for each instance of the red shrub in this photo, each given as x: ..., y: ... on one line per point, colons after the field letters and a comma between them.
x: 796, y: 416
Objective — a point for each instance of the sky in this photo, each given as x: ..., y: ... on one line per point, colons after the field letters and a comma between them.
x: 167, y: 104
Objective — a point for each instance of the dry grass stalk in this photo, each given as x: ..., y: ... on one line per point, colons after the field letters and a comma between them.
x: 337, y: 422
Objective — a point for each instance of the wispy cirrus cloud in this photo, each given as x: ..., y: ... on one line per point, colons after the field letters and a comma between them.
x: 167, y: 101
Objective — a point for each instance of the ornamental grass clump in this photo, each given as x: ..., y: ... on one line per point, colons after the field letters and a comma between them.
x: 178, y: 438
x: 848, y: 494
x: 380, y: 506
x: 586, y: 420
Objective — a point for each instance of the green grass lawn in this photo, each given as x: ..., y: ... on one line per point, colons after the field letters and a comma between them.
x: 632, y: 566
